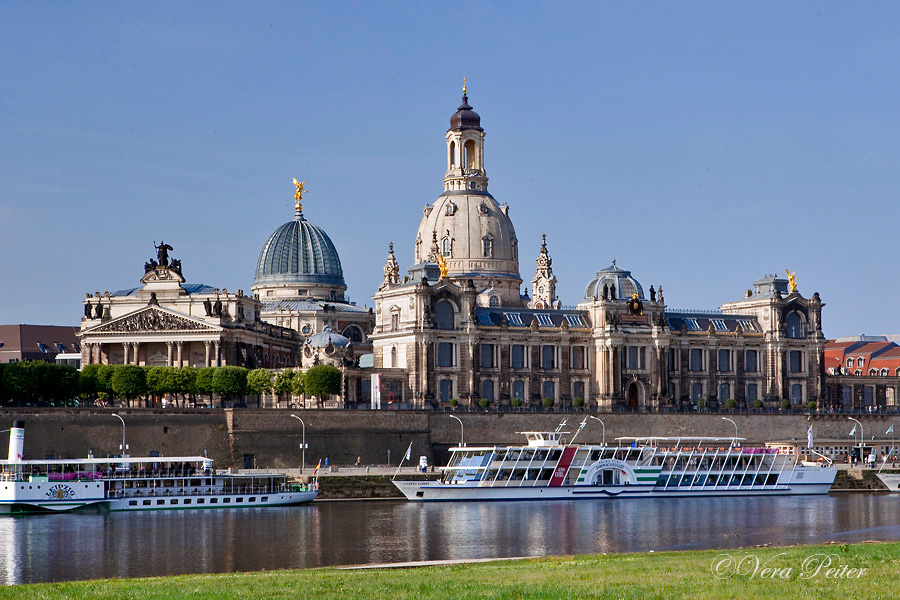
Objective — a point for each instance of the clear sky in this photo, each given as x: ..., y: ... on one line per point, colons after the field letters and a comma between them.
x: 702, y: 145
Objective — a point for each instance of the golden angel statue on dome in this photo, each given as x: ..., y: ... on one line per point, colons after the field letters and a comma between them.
x: 792, y: 281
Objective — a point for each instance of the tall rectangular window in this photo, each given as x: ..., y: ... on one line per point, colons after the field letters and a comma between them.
x: 751, y: 361
x: 445, y: 354
x: 696, y: 359
x: 724, y: 362
x: 796, y: 393
x: 487, y: 389
x: 548, y: 358
x: 446, y: 390
x: 751, y: 392
x: 395, y: 321
x: 796, y: 359
x: 578, y: 389
x: 517, y: 356
x: 671, y: 364
x: 487, y: 356
x: 577, y: 357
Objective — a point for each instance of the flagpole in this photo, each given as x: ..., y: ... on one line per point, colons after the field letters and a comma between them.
x: 401, y: 461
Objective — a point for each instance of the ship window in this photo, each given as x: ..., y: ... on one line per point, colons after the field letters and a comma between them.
x: 201, y: 501
x: 173, y: 501
x: 147, y: 502
x: 252, y: 499
x: 160, y: 502
x: 264, y: 499
x: 239, y: 500
x: 213, y: 500
x: 187, y: 500
x: 226, y: 500
x: 132, y: 503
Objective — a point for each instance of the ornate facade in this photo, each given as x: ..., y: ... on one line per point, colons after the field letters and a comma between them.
x: 167, y: 322
x: 458, y: 327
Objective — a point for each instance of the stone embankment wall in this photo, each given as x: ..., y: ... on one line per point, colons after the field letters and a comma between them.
x: 271, y: 438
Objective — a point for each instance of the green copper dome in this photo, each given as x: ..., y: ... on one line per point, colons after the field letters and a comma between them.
x: 301, y: 253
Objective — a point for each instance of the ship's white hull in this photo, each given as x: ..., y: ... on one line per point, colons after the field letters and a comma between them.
x: 434, y: 491
x: 891, y: 480
x: 28, y: 497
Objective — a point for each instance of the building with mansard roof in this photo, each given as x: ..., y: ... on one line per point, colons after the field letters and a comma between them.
x: 458, y: 326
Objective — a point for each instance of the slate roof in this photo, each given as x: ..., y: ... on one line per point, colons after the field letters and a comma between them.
x: 522, y: 318
x: 700, y: 322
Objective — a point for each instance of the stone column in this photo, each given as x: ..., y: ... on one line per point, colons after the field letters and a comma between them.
x: 218, y: 358
x: 87, y: 353
x: 126, y: 347
x: 99, y: 349
x: 169, y: 347
x: 137, y: 349
x: 208, y: 345
x: 179, y: 345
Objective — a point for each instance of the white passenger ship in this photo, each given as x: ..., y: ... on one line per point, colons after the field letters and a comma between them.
x: 151, y: 483
x: 637, y: 467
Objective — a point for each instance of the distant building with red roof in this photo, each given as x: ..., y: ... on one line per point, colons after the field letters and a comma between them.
x: 862, y: 373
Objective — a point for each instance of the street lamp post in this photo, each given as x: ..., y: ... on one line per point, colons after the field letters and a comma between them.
x: 604, y: 427
x: 123, y: 433
x: 734, y: 441
x: 302, y: 444
x: 462, y: 431
x: 862, y: 438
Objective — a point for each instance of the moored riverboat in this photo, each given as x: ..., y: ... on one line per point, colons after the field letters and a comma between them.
x: 131, y: 483
x: 549, y: 468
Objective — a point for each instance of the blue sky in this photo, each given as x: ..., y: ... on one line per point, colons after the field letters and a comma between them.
x: 701, y: 145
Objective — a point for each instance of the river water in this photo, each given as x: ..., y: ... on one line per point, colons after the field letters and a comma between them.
x: 59, y: 547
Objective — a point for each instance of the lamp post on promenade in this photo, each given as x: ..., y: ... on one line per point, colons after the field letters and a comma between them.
x: 302, y: 444
x: 124, y: 447
x: 603, y: 425
x: 462, y: 431
x: 734, y: 440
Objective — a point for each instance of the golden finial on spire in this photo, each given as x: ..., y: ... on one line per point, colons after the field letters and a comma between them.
x: 298, y: 196
x: 464, y: 86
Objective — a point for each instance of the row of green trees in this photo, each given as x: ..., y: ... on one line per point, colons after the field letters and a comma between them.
x: 36, y: 382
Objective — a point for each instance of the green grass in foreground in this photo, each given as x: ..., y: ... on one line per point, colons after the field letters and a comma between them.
x: 653, y: 575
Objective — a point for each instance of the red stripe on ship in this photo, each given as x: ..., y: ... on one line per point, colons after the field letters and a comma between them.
x: 562, y: 467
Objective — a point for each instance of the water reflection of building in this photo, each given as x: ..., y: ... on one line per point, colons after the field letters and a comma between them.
x: 458, y: 326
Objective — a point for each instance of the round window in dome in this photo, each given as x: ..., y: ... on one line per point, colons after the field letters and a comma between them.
x: 306, y: 330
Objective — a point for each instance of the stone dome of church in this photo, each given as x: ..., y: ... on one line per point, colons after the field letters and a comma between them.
x: 613, y: 275
x: 299, y: 253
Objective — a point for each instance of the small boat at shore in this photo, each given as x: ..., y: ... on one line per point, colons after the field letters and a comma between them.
x: 548, y: 468
x: 145, y: 483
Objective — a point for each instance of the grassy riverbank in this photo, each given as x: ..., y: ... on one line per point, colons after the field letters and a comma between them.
x: 855, y: 571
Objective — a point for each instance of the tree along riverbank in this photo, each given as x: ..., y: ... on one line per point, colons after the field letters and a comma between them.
x: 867, y: 570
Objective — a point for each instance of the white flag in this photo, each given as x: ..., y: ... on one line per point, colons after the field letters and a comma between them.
x: 408, y: 452
x: 809, y: 438
x: 890, y: 430
x: 853, y: 431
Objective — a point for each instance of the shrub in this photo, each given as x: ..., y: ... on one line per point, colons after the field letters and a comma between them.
x: 701, y: 403
x: 758, y: 403
x: 516, y: 402
x: 454, y: 402
x: 484, y: 402
x: 578, y: 402
x: 785, y: 404
x: 811, y: 405
x: 548, y: 402
x: 730, y: 403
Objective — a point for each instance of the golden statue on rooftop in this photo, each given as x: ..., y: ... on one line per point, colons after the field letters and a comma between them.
x: 442, y: 264
x: 792, y: 281
x: 298, y: 196
x: 464, y: 86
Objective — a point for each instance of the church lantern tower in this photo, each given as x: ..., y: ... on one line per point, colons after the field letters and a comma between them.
x: 544, y: 282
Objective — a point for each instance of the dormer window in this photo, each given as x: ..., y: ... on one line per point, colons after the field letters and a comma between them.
x: 849, y: 361
x: 447, y: 245
x: 487, y: 246
x: 860, y: 362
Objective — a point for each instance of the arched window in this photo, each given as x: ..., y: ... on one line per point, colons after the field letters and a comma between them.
x: 858, y: 373
x: 849, y: 361
x: 884, y: 372
x: 897, y: 372
x: 470, y: 155
x: 353, y: 333
x: 487, y: 246
x: 860, y: 362
x: 393, y: 357
x: 447, y: 246
x: 494, y: 302
x: 794, y: 325
x: 443, y: 315
x: 395, y: 318
x: 452, y: 154
x: 873, y: 372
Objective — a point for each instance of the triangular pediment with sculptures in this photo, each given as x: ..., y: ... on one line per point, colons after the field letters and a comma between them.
x: 152, y: 318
